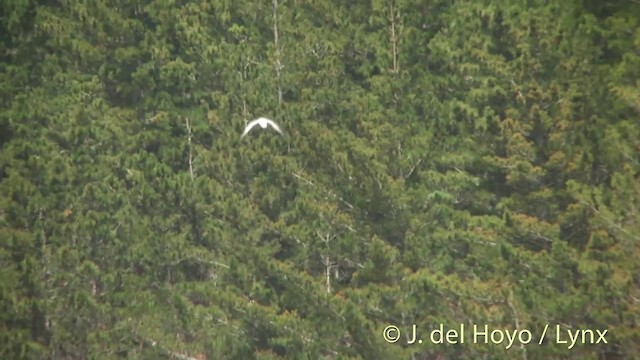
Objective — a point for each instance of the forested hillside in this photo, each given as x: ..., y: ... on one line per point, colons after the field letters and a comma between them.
x: 444, y: 162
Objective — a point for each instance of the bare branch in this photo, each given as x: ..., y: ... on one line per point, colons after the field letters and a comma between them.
x: 610, y: 222
x: 199, y: 260
x: 171, y: 354
x: 329, y: 191
x: 413, y: 169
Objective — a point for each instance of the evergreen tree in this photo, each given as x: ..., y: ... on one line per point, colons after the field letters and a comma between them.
x: 444, y: 163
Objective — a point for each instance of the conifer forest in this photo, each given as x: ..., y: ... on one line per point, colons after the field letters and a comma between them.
x: 456, y: 179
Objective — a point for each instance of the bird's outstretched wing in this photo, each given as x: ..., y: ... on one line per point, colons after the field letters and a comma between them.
x: 249, y: 127
x: 275, y: 126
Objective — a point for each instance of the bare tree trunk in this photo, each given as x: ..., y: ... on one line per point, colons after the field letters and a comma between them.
x: 244, y: 109
x: 327, y: 262
x: 191, y: 172
x: 394, y: 37
x: 517, y: 322
x: 243, y: 77
x: 277, y: 47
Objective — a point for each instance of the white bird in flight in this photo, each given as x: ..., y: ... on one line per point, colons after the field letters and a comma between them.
x: 263, y: 122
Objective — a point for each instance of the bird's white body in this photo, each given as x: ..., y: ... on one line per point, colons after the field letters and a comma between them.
x: 263, y: 122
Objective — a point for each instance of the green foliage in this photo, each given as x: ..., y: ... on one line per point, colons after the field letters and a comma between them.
x: 444, y: 163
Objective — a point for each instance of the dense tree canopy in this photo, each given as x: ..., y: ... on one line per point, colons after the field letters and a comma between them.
x: 467, y: 162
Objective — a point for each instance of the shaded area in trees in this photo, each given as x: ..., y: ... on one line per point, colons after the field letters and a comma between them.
x: 444, y: 163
